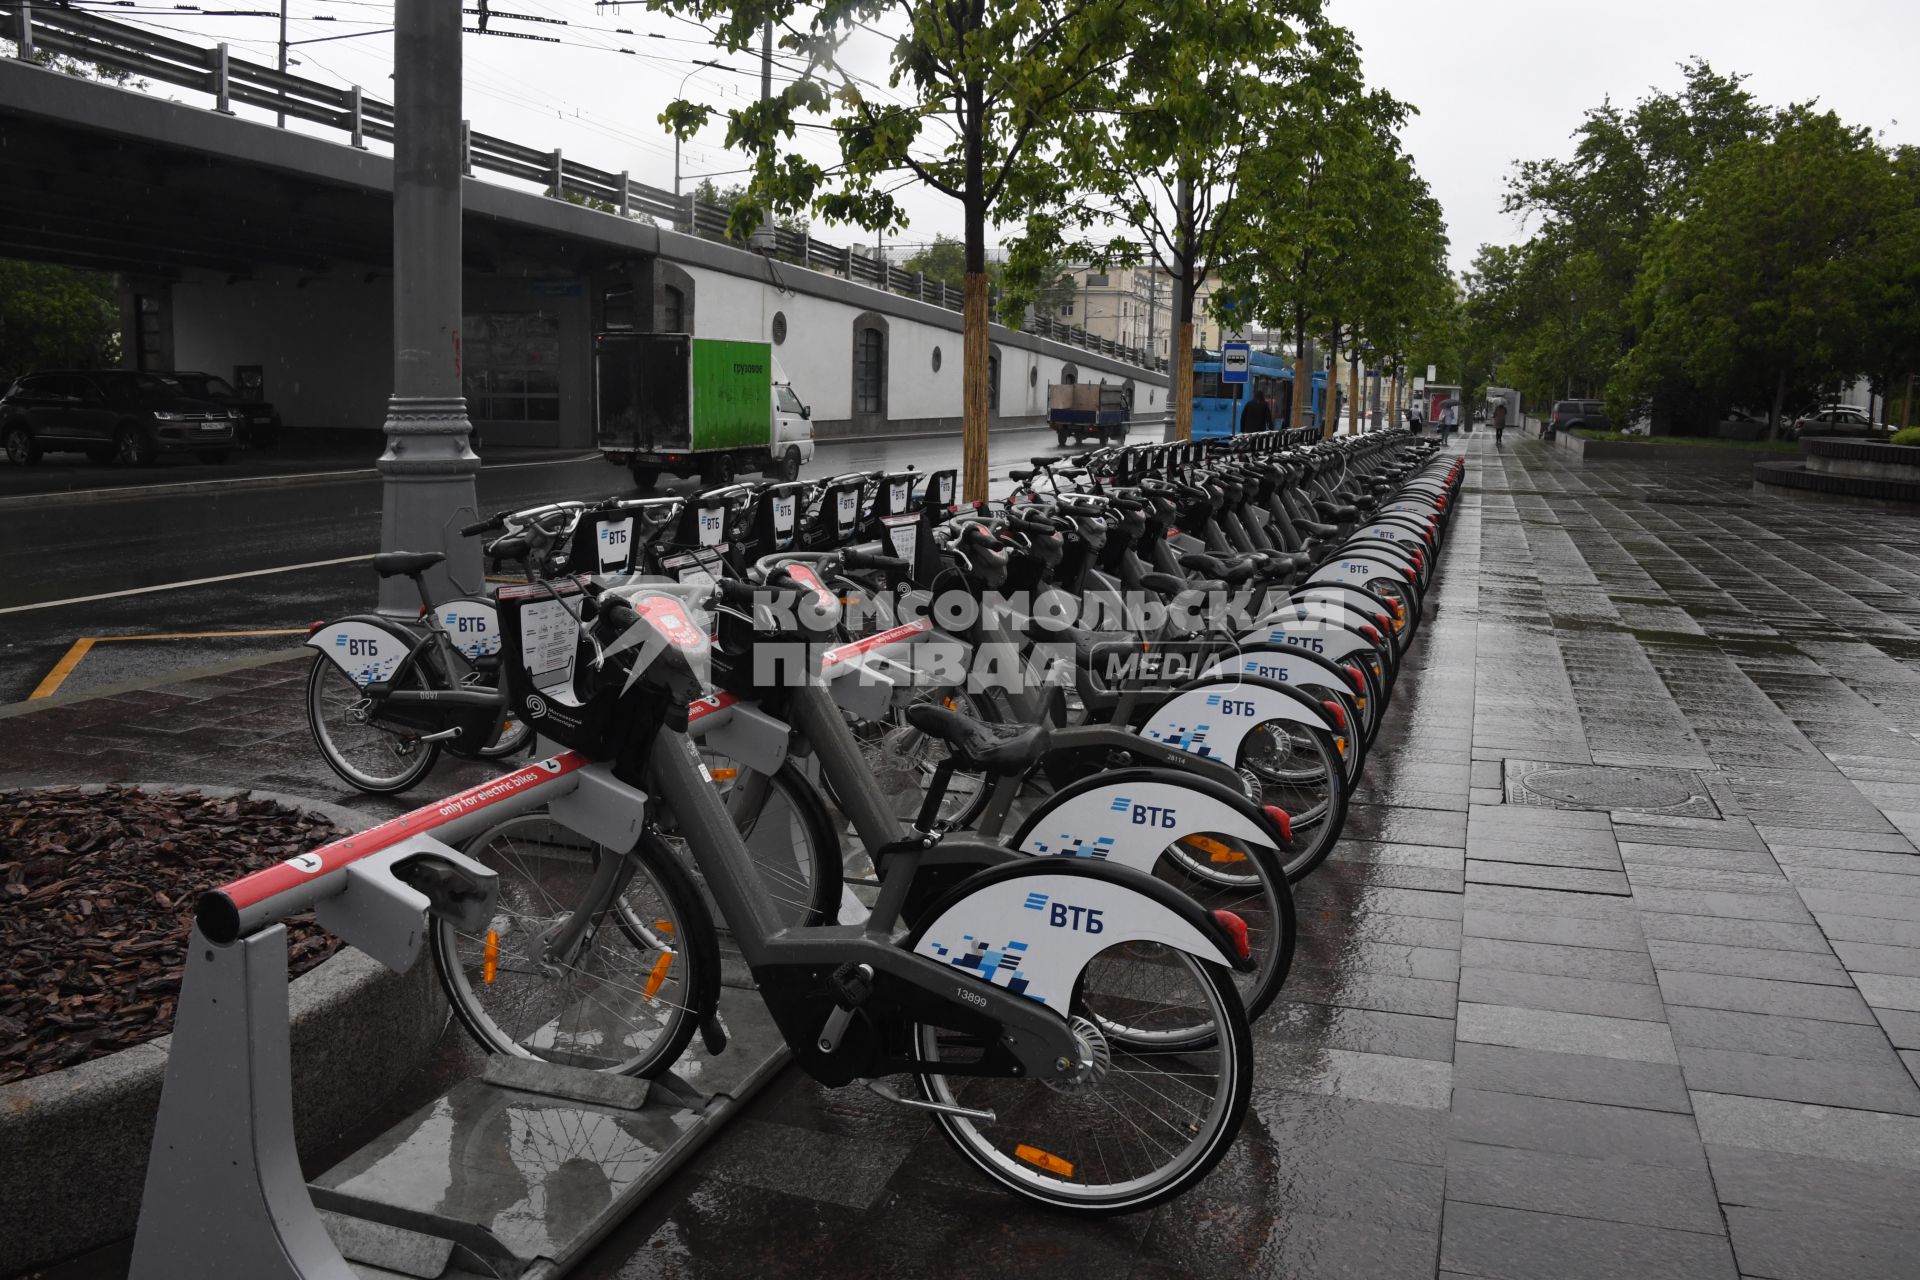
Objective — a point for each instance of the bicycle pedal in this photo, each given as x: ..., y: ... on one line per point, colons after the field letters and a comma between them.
x: 445, y: 735
x: 852, y: 985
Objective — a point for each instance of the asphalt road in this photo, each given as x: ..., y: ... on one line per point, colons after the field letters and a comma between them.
x: 178, y: 554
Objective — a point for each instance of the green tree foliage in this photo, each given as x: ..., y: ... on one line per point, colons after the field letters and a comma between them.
x: 55, y: 317
x: 985, y: 89
x: 1775, y: 276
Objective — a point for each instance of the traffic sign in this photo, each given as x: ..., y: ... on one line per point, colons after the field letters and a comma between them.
x: 1235, y: 357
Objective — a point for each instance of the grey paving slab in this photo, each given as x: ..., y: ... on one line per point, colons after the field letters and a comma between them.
x: 1361, y: 1030
x: 1625, y: 1134
x: 1550, y: 958
x: 1365, y: 1077
x: 1575, y: 1077
x: 1565, y: 1032
x: 1827, y: 838
x: 1763, y: 995
x: 1902, y: 1028
x: 1874, y: 1085
x: 1514, y: 1244
x: 1875, y: 906
x: 1426, y: 997
x: 1704, y: 833
x: 1776, y: 1034
x: 1594, y: 849
x: 1783, y: 908
x: 1752, y: 962
x: 1716, y: 879
x: 1852, y: 881
x: 1846, y: 1191
x: 1547, y: 902
x: 1794, y: 1128
x: 1406, y: 855
x: 1392, y: 875
x: 1582, y: 1186
x: 1574, y: 879
x: 1899, y: 864
x: 1327, y: 950
x: 1842, y: 927
x: 1566, y: 931
x: 1733, y: 933
x: 1640, y: 855
x: 1872, y: 957
x: 1566, y: 994
x: 1889, y: 991
x: 1412, y: 931
x: 1910, y: 1058
x: 1803, y: 1246
x: 1340, y: 1128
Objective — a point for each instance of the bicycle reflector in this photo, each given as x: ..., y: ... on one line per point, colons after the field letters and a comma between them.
x: 1282, y: 821
x: 1338, y: 712
x: 1236, y: 931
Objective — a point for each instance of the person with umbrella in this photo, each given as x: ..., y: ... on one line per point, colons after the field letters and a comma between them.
x: 1449, y: 419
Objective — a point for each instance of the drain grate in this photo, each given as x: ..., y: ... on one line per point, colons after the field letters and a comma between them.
x: 1675, y: 792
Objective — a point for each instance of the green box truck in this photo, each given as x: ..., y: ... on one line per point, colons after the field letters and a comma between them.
x: 669, y: 402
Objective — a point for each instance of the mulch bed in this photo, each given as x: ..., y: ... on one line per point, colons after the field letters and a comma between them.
x: 96, y: 901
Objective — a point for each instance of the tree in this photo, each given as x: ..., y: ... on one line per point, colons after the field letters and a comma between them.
x: 986, y: 86
x: 1161, y: 149
x: 52, y: 317
x: 1775, y: 274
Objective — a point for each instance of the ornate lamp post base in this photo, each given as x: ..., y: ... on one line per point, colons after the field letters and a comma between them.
x: 428, y: 472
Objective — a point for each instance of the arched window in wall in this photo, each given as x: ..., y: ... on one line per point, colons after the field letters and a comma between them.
x: 1068, y: 375
x: 870, y: 366
x: 673, y: 310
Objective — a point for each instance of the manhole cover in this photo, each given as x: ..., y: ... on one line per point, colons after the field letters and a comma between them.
x: 1583, y: 786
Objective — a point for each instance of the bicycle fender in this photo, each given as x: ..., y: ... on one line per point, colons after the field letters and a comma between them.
x: 1359, y: 566
x: 1213, y: 716
x: 1395, y: 530
x: 1032, y: 927
x: 366, y: 647
x: 1324, y: 630
x: 1283, y: 665
x: 1128, y: 818
x: 472, y: 623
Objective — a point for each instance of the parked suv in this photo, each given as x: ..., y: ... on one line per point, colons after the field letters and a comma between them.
x: 1833, y: 420
x: 260, y: 421
x: 112, y: 416
x: 1568, y: 414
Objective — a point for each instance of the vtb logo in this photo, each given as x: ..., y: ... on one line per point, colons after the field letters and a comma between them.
x: 1145, y: 815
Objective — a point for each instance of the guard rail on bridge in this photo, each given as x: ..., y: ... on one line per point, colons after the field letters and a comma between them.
x: 229, y: 80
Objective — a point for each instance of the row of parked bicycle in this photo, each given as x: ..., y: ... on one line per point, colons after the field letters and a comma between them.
x: 1086, y: 736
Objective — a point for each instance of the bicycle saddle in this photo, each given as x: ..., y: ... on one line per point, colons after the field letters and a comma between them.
x: 1233, y: 573
x: 390, y: 564
x: 977, y: 745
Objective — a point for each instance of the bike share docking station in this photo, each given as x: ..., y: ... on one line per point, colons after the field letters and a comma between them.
x: 516, y: 1172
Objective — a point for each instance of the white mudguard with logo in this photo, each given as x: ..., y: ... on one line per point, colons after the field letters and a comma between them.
x: 1213, y: 719
x: 1395, y: 530
x: 472, y: 625
x: 1280, y: 666
x: 1419, y: 508
x: 1131, y: 823
x: 1358, y: 568
x: 1034, y: 934
x: 366, y: 651
x: 1322, y: 629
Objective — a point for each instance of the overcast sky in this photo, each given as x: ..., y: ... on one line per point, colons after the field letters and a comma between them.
x: 1494, y: 80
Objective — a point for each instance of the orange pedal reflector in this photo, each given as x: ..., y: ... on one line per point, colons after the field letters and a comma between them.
x: 1340, y: 745
x: 663, y: 926
x: 725, y: 775
x: 1043, y: 1160
x: 490, y: 958
x: 1214, y: 850
x: 659, y: 974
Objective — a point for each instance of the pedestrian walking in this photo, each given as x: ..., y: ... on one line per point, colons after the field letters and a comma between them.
x: 1449, y: 418
x: 1499, y: 421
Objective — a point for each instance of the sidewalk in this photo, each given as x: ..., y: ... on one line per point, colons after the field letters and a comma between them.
x: 1674, y: 1037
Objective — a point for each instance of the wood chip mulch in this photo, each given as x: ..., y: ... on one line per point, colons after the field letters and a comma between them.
x: 96, y: 901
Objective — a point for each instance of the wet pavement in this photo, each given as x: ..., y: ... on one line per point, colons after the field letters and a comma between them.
x: 1672, y: 1032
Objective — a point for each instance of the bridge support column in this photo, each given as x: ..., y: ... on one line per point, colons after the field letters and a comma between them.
x: 428, y: 466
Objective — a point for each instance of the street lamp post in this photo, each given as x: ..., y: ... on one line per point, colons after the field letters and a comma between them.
x: 428, y: 467
x: 682, y: 88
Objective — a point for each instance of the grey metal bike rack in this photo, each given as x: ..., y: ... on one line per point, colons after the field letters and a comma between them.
x: 515, y: 1173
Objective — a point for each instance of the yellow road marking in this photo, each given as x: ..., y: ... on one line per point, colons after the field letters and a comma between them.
x: 71, y: 659
x: 62, y: 669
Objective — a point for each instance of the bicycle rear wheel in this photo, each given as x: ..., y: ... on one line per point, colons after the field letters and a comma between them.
x: 628, y: 1000
x: 375, y: 759
x: 1138, y: 1124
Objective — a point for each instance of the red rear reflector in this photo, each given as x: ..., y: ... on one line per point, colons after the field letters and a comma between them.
x: 1357, y: 678
x: 1236, y: 930
x: 315, y: 626
x: 1338, y: 712
x: 1383, y: 619
x: 1371, y: 635
x: 1282, y: 821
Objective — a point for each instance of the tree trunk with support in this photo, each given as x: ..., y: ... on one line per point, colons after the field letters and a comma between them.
x: 974, y: 351
x: 1353, y: 397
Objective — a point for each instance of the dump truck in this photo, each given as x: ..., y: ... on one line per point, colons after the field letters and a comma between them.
x: 673, y: 403
x: 1087, y: 411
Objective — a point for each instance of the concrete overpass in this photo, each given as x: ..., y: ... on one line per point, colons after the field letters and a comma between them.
x: 245, y: 245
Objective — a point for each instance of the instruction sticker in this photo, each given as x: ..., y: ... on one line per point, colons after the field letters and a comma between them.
x: 548, y: 637
x: 904, y: 533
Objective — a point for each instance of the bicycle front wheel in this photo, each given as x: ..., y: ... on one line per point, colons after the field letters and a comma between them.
x: 1137, y: 1124
x: 629, y: 996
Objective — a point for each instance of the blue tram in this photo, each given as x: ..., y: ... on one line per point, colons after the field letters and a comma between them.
x: 1217, y: 407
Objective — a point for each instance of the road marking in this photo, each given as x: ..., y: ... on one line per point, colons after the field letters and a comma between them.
x: 81, y: 647
x: 189, y: 582
x: 62, y: 669
x: 140, y: 490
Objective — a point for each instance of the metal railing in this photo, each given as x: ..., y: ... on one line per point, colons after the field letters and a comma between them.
x: 232, y: 81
